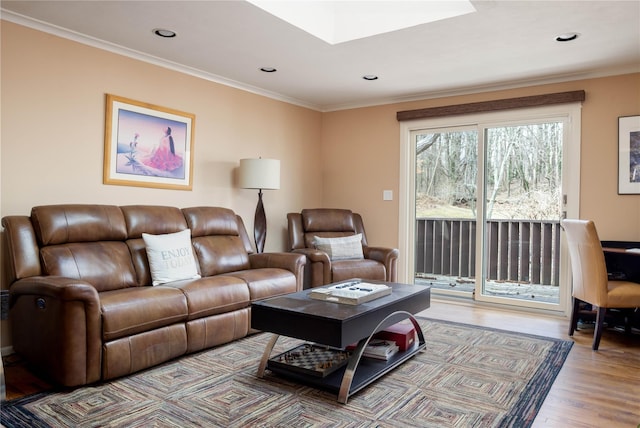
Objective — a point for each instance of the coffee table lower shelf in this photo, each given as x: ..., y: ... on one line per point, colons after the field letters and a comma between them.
x: 367, y: 371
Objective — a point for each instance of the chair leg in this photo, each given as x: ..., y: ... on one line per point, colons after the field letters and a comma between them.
x: 601, y: 313
x: 628, y: 317
x: 573, y: 324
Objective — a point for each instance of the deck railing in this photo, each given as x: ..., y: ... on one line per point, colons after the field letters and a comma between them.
x: 522, y: 251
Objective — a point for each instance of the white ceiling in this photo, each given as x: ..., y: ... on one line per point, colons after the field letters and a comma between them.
x: 503, y: 44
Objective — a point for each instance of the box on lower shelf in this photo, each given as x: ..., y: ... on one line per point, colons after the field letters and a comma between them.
x: 403, y: 333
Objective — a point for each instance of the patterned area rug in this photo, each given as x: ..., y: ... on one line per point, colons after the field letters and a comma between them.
x: 467, y: 376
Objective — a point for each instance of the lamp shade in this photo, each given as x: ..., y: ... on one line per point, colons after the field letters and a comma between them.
x: 259, y: 174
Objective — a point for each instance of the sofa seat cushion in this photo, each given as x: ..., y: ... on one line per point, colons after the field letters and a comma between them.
x: 267, y: 282
x: 133, y: 310
x: 130, y: 354
x: 213, y: 295
x: 367, y: 268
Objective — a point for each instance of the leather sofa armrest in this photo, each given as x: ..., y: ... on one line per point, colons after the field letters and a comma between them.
x: 387, y: 256
x: 289, y: 261
x: 56, y: 287
x: 56, y: 323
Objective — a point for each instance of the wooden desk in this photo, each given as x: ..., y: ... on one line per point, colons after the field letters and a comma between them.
x: 622, y: 264
x: 620, y: 251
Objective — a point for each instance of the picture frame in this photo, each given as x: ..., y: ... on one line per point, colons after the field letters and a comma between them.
x: 629, y: 155
x: 146, y: 145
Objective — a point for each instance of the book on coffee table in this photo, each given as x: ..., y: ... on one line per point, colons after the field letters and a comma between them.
x: 350, y: 292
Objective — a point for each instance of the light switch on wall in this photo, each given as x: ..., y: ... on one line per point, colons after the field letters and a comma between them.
x: 387, y: 195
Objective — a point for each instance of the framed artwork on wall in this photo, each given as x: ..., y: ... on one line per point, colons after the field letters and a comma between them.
x: 147, y: 145
x: 629, y: 155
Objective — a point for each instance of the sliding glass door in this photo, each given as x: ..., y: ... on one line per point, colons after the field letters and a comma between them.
x: 484, y: 206
x: 446, y: 176
x: 522, y: 209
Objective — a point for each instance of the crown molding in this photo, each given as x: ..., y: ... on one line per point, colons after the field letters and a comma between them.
x: 141, y: 56
x: 444, y: 93
x: 478, y: 89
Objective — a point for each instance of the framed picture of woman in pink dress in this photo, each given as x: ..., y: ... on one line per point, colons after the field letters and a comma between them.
x: 147, y: 145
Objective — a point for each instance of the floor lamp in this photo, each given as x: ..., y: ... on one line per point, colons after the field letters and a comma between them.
x: 259, y: 174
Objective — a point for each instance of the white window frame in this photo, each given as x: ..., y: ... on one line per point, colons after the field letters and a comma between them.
x: 570, y: 179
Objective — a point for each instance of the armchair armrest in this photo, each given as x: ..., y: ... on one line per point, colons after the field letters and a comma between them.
x: 314, y: 255
x: 289, y: 261
x: 318, y: 270
x: 387, y: 256
x: 56, y: 323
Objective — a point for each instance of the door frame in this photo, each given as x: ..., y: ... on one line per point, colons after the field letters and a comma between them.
x: 570, y: 182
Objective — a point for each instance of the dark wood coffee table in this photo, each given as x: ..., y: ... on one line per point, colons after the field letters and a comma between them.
x: 339, y: 325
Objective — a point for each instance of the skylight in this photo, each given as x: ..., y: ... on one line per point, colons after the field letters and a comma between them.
x: 342, y: 21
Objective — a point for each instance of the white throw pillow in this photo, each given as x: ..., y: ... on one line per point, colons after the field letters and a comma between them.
x: 170, y: 257
x: 342, y: 248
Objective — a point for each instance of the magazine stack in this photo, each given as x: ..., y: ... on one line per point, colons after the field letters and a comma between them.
x: 380, y: 349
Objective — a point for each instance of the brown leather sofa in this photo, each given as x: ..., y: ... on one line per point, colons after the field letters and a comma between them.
x: 82, y: 305
x: 377, y: 263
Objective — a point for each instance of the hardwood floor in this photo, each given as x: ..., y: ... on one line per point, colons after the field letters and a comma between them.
x: 19, y: 381
x: 594, y: 388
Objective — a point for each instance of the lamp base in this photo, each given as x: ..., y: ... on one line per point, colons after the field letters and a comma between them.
x: 260, y: 225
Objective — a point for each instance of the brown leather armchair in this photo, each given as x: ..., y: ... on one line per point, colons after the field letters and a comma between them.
x: 376, y: 263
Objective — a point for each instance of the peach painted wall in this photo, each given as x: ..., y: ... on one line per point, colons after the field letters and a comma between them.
x: 52, y: 134
x: 53, y: 115
x: 360, y: 156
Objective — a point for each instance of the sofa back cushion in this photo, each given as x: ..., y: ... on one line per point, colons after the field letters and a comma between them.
x: 217, y: 240
x: 326, y: 223
x: 84, y: 242
x: 62, y: 224
x: 105, y: 265
x: 327, y: 220
x: 103, y: 245
x: 152, y: 219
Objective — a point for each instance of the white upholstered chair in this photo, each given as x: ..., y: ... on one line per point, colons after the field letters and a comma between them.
x: 590, y: 280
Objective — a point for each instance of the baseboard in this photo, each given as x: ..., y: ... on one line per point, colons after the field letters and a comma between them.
x: 6, y: 350
x: 462, y: 301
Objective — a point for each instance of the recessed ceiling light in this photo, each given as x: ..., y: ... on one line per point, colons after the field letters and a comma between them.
x: 268, y: 69
x: 567, y: 37
x: 370, y: 77
x: 164, y: 33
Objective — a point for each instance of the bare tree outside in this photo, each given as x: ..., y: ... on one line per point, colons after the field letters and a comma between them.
x: 523, y: 167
